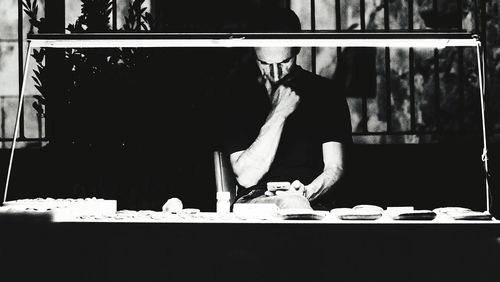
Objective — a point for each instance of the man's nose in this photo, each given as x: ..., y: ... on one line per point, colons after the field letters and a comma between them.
x: 276, y: 71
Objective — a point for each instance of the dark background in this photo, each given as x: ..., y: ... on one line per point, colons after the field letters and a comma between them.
x: 151, y: 136
x: 144, y: 151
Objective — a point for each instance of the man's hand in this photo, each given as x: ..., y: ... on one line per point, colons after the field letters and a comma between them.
x: 284, y: 101
x: 296, y: 188
x: 312, y: 192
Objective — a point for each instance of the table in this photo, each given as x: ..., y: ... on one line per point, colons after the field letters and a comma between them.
x: 269, y: 250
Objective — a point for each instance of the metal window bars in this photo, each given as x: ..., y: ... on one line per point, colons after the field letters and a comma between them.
x: 478, y: 9
x: 479, y: 26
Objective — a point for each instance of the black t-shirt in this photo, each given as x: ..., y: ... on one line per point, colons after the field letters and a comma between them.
x: 321, y: 116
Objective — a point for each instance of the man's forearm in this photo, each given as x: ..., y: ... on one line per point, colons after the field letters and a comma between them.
x: 255, y: 161
x: 324, y: 182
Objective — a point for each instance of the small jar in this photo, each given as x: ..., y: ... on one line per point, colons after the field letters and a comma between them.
x: 223, y: 203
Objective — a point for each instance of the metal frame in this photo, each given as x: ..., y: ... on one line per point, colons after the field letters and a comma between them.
x: 302, y: 39
x: 311, y: 39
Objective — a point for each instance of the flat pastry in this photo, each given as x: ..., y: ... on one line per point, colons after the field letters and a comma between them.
x: 358, y: 213
x: 414, y: 215
x: 302, y: 214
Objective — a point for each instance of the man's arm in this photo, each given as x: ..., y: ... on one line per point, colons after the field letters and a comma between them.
x: 333, y: 158
x: 251, y: 164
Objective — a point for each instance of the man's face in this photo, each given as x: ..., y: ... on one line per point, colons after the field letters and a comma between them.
x: 275, y: 62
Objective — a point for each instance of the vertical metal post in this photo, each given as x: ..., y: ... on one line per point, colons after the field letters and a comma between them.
x: 313, y: 28
x: 40, y: 127
x: 313, y: 15
x: 437, y: 91
x: 338, y: 22
x: 461, y: 75
x: 435, y: 8
x: 410, y: 15
x: 387, y: 71
x: 411, y: 77
x: 484, y: 40
x: 362, y: 14
x: 20, y: 44
x: 114, y: 8
x: 411, y: 83
x: 364, y: 102
x: 461, y: 92
x: 18, y: 119
x: 476, y: 18
x: 2, y: 120
x: 437, y: 88
x: 482, y: 93
x: 460, y: 8
x: 386, y: 15
x: 338, y: 27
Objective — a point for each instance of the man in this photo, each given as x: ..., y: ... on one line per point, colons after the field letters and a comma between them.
x: 286, y: 124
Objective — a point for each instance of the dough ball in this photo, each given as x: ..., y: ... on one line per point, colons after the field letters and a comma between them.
x: 173, y: 205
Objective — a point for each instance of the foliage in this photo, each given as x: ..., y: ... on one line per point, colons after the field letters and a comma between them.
x: 40, y: 77
x: 95, y: 16
x: 84, y: 66
x: 31, y: 10
x: 138, y: 19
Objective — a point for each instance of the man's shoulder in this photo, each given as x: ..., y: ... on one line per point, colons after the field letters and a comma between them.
x: 315, y: 80
x: 317, y: 86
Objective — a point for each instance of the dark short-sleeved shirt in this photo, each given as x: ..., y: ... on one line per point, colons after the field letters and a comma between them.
x: 321, y: 116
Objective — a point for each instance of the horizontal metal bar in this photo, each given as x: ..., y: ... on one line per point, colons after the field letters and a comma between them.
x: 357, y: 134
x: 9, y: 96
x: 26, y: 139
x: 398, y: 133
x: 367, y: 133
x: 303, y: 39
x: 3, y: 40
x: 320, y: 34
x: 268, y: 35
